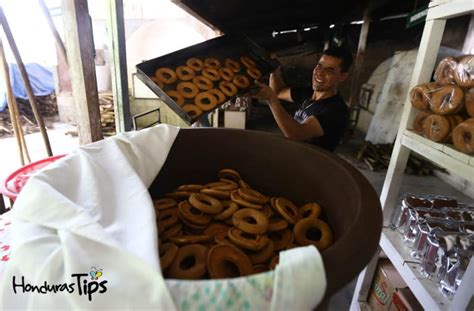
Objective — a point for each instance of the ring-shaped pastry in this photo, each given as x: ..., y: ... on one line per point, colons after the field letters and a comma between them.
x: 241, y: 81
x: 309, y: 210
x: 220, y: 96
x: 247, y: 241
x: 218, y: 194
x: 253, y: 196
x: 190, y: 239
x: 212, y: 62
x: 287, y: 210
x: 263, y: 255
x: 281, y: 239
x: 205, y: 203
x: 212, y: 74
x: 193, y: 110
x: 168, y: 252
x: 164, y: 203
x: 228, y: 88
x: 191, y: 188
x: 187, y: 89
x: 259, y: 224
x: 176, y: 96
x: 254, y: 73
x: 192, y: 214
x: 189, y: 263
x: 206, y: 101
x: 185, y: 73
x: 166, y: 75
x: 229, y: 173
x: 232, y: 64
x: 303, y: 233
x: 234, y: 196
x: 226, y: 73
x: 195, y: 63
x: 229, y: 209
x: 248, y: 62
x: 277, y: 224
x: 447, y: 100
x: 227, y: 261
x: 203, y: 83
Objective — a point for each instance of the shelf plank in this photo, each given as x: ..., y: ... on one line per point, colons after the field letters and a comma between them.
x: 450, y: 9
x: 425, y: 290
x: 454, y: 161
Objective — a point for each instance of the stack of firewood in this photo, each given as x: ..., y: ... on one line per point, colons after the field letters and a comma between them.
x: 107, y: 114
x: 47, y: 107
x: 377, y: 157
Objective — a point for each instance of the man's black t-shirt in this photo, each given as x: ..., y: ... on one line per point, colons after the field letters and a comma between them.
x: 332, y: 113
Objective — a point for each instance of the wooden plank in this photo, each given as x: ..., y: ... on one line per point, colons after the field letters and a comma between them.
x: 364, y: 281
x: 54, y: 31
x: 355, y: 83
x: 462, y: 157
x: 439, y: 157
x: 12, y: 108
x: 450, y: 9
x: 464, y: 297
x: 425, y: 62
x: 116, y: 26
x: 26, y: 81
x: 80, y: 51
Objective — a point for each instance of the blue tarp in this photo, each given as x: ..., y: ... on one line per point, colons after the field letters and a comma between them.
x: 41, y: 79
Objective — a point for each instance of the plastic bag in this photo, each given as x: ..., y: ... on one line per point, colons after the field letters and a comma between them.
x: 464, y: 73
x: 420, y: 95
x: 463, y: 136
x: 444, y: 73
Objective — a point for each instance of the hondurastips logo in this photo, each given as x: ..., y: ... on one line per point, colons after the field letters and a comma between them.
x: 81, y: 283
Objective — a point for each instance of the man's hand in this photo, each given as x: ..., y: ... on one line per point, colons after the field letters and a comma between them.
x: 262, y: 92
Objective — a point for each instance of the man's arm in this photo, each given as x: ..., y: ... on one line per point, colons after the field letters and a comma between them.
x: 278, y: 85
x: 310, y: 128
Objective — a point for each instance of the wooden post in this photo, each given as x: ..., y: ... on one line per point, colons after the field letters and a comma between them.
x: 80, y: 51
x: 354, y: 95
x: 53, y: 29
x: 116, y: 26
x: 11, y: 108
x: 26, y: 80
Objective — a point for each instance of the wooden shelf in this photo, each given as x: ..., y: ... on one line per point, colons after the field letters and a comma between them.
x: 426, y: 290
x: 444, y: 155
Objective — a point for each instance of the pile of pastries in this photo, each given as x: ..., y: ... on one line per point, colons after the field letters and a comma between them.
x: 200, y: 85
x: 446, y: 106
x: 226, y: 229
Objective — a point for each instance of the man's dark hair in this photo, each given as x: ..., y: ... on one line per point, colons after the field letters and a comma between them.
x: 343, y: 54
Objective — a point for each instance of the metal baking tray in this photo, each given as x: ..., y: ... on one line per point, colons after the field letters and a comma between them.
x: 232, y: 46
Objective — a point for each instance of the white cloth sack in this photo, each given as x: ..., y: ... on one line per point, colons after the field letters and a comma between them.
x: 90, y: 213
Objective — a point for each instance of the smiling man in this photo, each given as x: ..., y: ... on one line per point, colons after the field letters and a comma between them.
x: 322, y: 116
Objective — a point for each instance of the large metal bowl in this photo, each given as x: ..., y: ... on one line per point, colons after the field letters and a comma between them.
x: 278, y: 166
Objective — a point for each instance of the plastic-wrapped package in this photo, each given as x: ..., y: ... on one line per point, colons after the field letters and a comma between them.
x: 436, y: 128
x: 420, y: 95
x: 444, y: 73
x: 469, y: 101
x: 454, y: 265
x: 464, y: 73
x: 463, y: 136
x: 448, y: 99
x: 419, y: 120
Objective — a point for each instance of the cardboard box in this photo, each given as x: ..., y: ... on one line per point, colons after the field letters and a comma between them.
x: 389, y: 292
